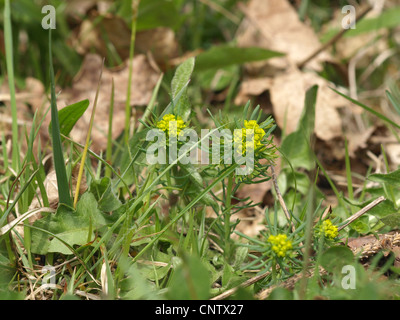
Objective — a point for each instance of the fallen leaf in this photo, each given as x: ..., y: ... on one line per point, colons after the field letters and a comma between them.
x: 358, y: 140
x: 160, y: 42
x: 287, y: 96
x: 275, y: 25
x: 252, y: 87
x: 393, y: 150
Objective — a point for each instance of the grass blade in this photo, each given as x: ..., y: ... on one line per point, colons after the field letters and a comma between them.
x: 109, y: 134
x: 135, y: 8
x: 85, y: 150
x: 10, y: 72
x: 380, y: 116
x: 58, y: 157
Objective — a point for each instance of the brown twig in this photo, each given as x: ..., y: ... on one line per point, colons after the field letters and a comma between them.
x: 280, y: 198
x: 333, y: 40
x: 361, y: 212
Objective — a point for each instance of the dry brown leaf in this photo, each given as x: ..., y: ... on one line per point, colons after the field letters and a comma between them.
x: 393, y: 151
x: 252, y: 221
x: 358, y: 140
x: 275, y: 25
x: 160, y: 42
x: 287, y: 96
x: 252, y: 87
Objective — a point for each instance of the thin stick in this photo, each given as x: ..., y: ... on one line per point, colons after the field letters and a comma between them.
x: 333, y: 40
x: 245, y: 284
x: 85, y: 150
x: 361, y: 212
x: 280, y: 198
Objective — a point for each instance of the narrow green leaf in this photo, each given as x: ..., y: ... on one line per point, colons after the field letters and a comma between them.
x: 58, y: 157
x: 380, y: 116
x: 69, y: 115
x: 223, y: 56
x: 395, y: 100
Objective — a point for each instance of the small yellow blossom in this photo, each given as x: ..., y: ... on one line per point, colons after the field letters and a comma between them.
x: 329, y: 229
x: 280, y: 244
x: 171, y: 124
x: 241, y: 138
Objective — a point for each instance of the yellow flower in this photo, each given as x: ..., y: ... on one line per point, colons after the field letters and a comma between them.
x: 172, y: 125
x: 329, y: 229
x: 280, y: 244
x: 257, y: 135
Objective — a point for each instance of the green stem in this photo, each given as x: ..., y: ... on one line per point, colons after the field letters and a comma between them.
x: 10, y: 72
x: 109, y: 134
x: 135, y: 8
x: 274, y: 273
x: 228, y: 215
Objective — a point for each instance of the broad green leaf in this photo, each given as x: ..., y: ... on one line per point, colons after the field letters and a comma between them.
x: 296, y: 146
x: 383, y: 209
x: 69, y: 115
x: 334, y: 258
x: 241, y: 254
x: 394, y: 99
x: 297, y: 151
x: 191, y: 280
x: 392, y: 220
x: 181, y: 78
x: 75, y: 228
x: 361, y: 225
x: 219, y: 78
x: 223, y: 56
x: 157, y: 273
x: 392, y: 178
x: 227, y: 275
x: 105, y: 197
x: 287, y: 180
x: 136, y: 286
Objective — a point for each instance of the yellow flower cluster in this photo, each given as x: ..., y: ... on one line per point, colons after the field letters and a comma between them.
x: 280, y: 244
x: 171, y: 124
x: 329, y: 229
x: 255, y: 143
